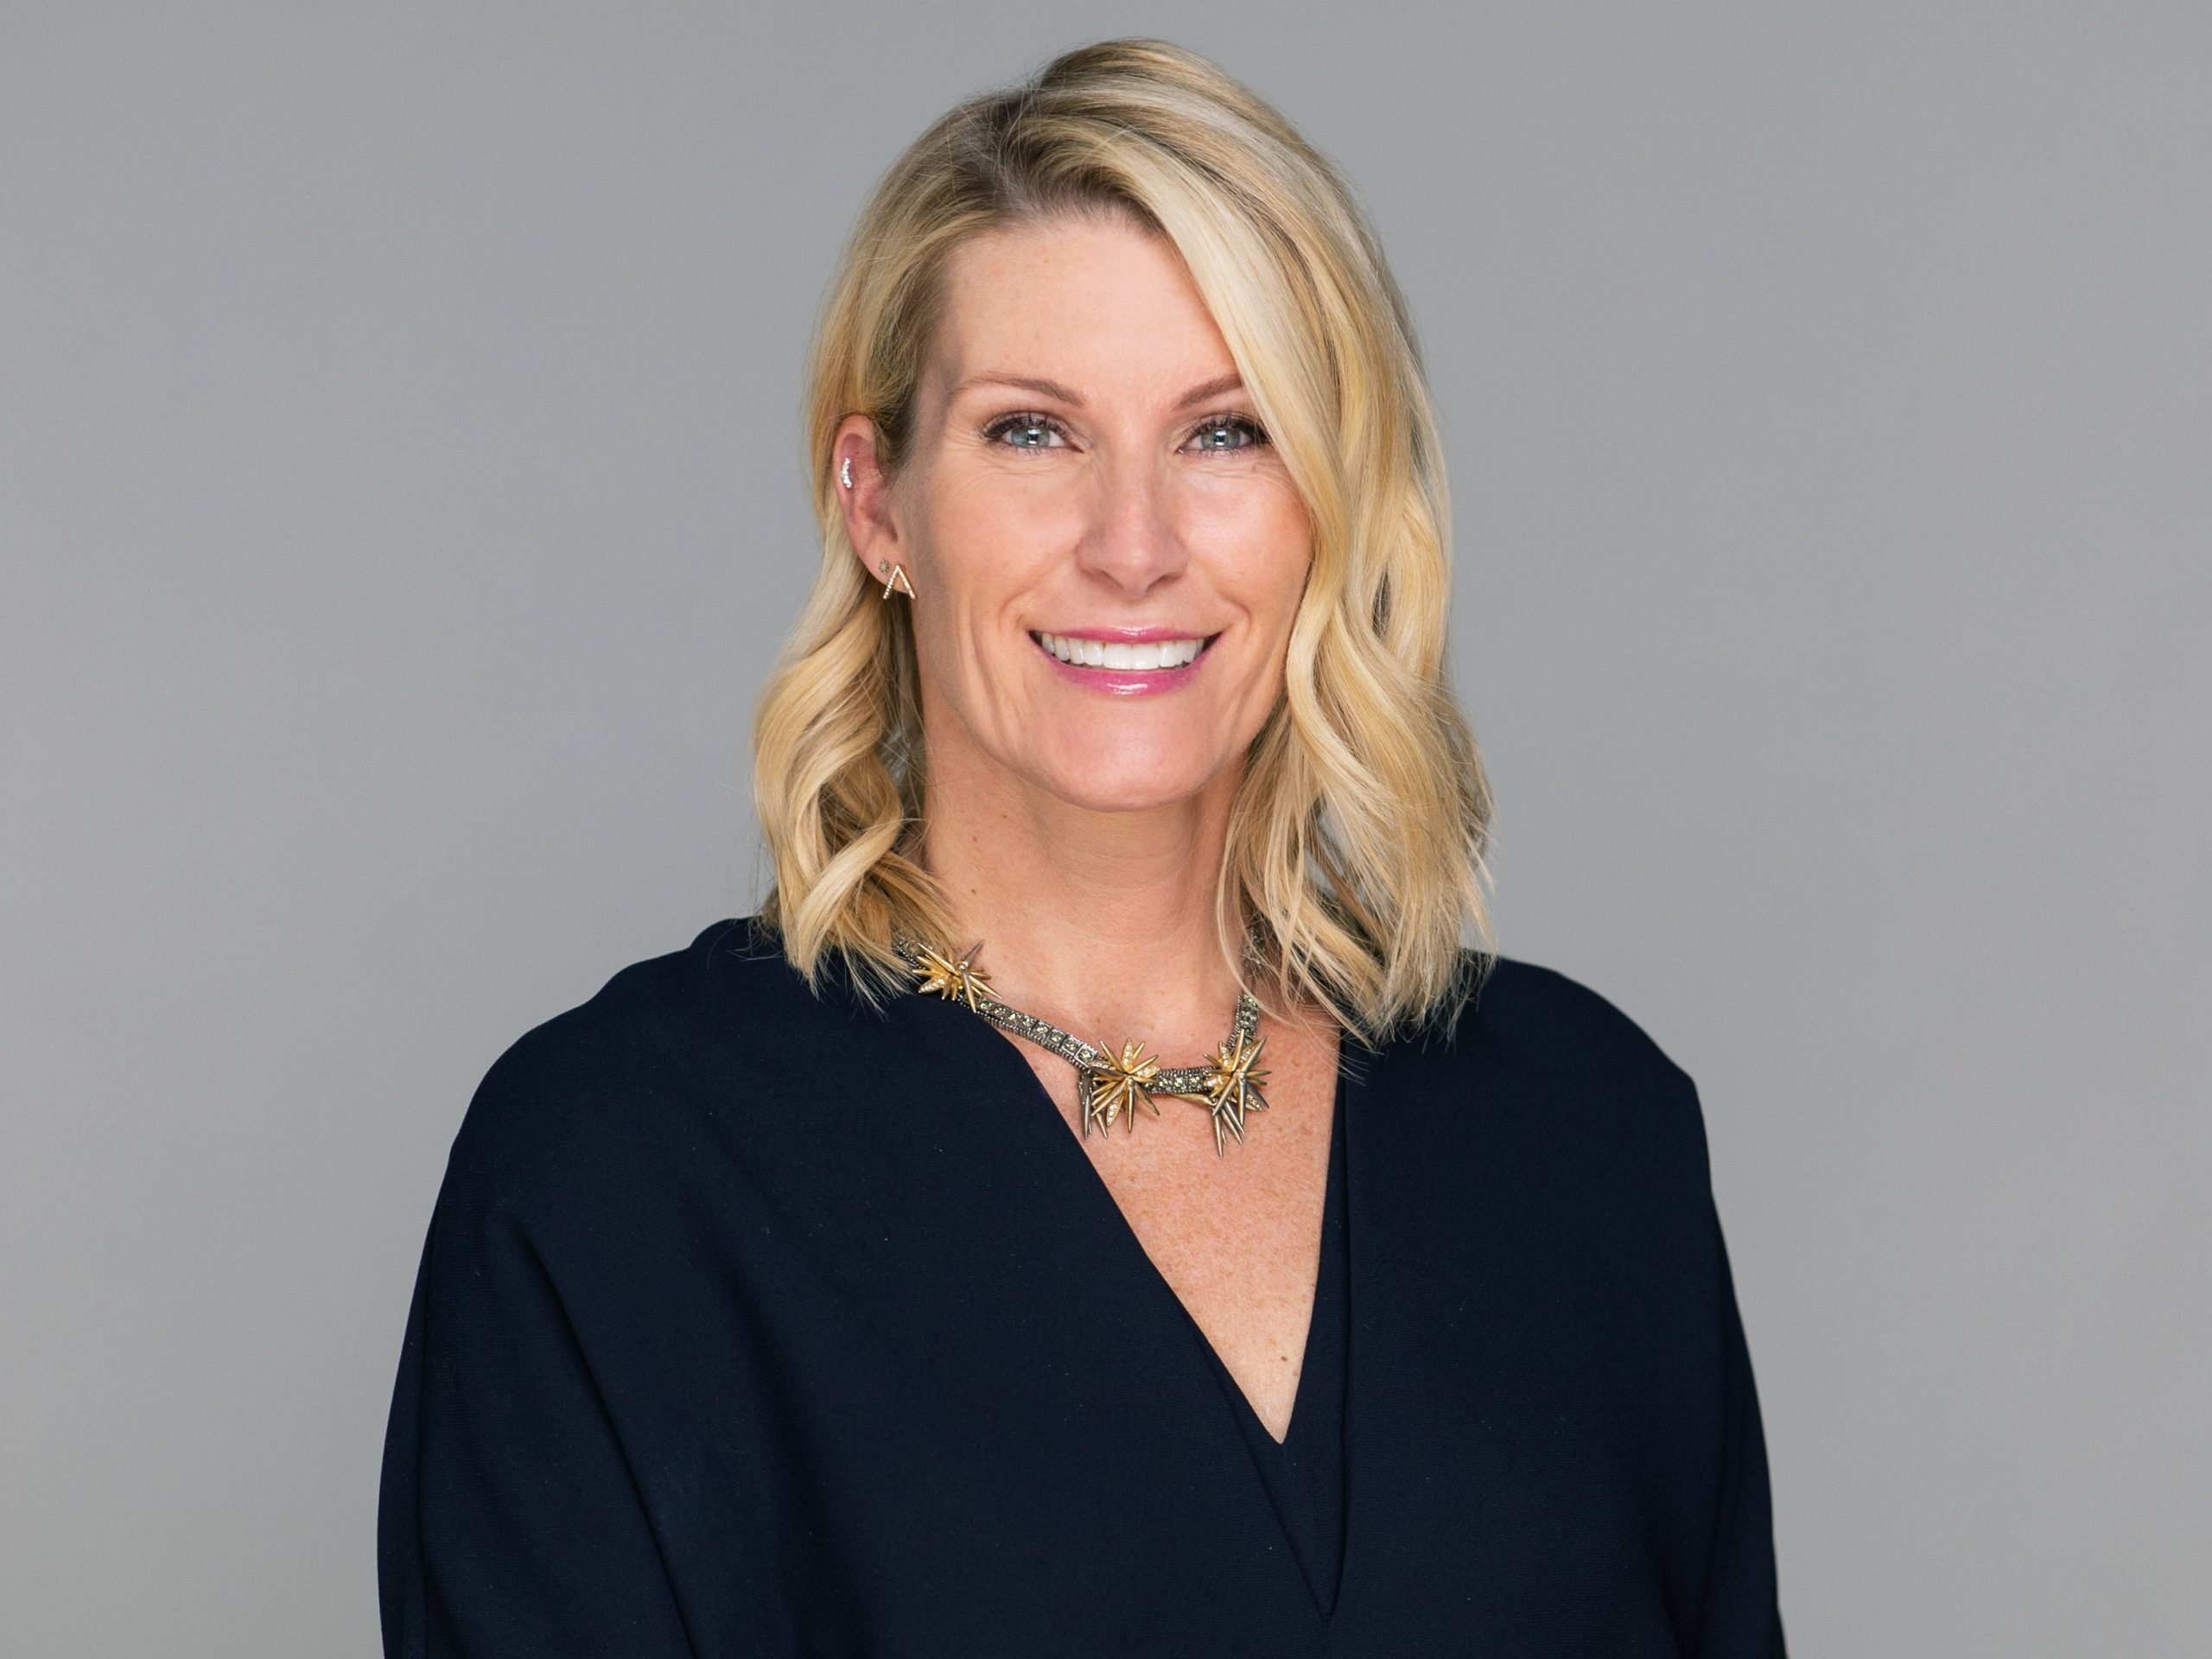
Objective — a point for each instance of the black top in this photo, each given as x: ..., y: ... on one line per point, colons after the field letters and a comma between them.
x: 1305, y: 1470
x: 756, y: 1323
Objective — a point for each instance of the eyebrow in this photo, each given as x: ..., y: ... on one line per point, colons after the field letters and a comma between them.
x: 1217, y: 387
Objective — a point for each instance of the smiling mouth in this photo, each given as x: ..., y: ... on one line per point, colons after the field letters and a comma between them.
x: 1151, y: 654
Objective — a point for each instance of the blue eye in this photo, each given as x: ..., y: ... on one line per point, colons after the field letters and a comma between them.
x: 1209, y: 435
x: 1029, y: 431
x: 1222, y: 433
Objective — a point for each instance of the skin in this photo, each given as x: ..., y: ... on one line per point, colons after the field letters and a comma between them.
x: 1076, y: 828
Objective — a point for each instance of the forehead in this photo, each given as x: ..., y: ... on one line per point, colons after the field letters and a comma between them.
x: 1098, y: 303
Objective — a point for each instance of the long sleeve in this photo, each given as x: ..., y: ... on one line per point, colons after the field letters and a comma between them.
x: 508, y: 1521
x: 1740, y: 1616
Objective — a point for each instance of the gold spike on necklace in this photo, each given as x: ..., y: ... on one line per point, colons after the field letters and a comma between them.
x: 1112, y: 1083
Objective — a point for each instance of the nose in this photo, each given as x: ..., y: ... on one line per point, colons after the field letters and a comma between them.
x: 1133, y: 541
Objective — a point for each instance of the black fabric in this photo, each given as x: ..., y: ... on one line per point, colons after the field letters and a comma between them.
x: 1305, y: 1470
x: 755, y: 1322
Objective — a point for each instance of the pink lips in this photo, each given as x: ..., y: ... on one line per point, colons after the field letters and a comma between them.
x: 1128, y: 682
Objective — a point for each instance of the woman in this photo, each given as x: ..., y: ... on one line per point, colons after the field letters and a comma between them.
x: 1319, y: 1285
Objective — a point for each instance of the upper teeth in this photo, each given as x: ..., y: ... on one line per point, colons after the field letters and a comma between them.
x: 1100, y: 653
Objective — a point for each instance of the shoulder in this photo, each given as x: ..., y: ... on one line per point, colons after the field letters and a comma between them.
x: 619, y: 1082
x: 1542, y: 1015
x: 1553, y: 1064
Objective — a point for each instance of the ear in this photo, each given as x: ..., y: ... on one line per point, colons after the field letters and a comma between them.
x: 871, y: 517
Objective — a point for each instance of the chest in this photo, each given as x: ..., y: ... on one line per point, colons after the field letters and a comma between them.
x: 922, y: 1391
x: 1235, y: 1234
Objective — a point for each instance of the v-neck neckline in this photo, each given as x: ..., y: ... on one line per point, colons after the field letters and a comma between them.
x: 1301, y: 1419
x: 1112, y: 1219
x: 1315, y: 1520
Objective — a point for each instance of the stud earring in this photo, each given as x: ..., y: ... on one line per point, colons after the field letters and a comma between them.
x: 898, y: 578
x: 846, y: 472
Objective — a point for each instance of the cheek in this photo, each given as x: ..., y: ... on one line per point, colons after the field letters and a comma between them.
x: 1278, y: 551
x: 981, y: 550
x: 988, y: 543
x: 1268, y: 555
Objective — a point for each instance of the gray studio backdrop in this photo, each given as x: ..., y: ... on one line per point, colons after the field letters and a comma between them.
x: 400, y: 499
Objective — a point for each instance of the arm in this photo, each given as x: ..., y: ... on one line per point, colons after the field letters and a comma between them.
x: 508, y: 1521
x: 1740, y: 1617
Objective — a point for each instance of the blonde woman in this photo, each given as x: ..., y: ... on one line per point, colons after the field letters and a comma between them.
x: 1101, y: 1204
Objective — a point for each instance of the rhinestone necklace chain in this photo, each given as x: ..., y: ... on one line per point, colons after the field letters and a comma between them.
x: 1112, y: 1083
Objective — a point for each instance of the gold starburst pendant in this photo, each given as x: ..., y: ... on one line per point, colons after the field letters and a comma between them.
x: 1233, y: 1089
x: 953, y: 980
x: 1110, y: 1085
x: 1115, y: 1088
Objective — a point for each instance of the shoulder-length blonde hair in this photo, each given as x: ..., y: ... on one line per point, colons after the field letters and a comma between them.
x: 1356, y: 844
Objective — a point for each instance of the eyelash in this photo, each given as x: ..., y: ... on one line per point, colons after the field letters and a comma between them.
x: 1010, y: 423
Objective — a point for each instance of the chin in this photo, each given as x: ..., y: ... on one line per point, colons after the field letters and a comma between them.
x: 1124, y: 788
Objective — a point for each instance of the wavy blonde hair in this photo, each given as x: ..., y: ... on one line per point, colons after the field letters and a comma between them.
x: 1356, y: 844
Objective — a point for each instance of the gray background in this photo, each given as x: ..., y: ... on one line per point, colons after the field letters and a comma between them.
x: 400, y: 494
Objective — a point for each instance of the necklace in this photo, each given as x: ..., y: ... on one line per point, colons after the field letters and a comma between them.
x: 1111, y: 1084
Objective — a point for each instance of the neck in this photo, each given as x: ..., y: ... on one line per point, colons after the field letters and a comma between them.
x: 1100, y: 922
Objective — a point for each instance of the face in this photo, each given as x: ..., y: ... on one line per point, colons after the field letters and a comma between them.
x: 1106, y: 550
